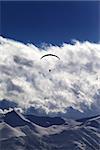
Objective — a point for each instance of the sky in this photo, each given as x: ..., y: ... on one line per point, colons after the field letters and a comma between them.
x: 50, y: 22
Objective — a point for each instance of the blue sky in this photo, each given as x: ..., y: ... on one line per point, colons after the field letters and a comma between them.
x: 50, y: 22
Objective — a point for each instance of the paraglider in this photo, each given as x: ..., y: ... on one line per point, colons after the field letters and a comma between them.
x: 52, y: 55
x: 49, y: 70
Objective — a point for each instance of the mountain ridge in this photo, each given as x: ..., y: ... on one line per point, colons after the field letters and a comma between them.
x: 70, y: 135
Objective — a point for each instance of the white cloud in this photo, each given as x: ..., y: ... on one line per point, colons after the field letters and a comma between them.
x: 74, y: 79
x: 9, y: 110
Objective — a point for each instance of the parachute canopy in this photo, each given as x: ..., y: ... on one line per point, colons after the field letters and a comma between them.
x: 50, y: 55
x: 49, y: 62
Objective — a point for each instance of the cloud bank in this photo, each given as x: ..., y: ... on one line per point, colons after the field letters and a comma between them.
x: 74, y: 80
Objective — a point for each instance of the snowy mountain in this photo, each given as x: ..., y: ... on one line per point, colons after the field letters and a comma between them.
x: 21, y: 132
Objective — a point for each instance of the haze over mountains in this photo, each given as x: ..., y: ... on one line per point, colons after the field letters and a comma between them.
x: 20, y: 132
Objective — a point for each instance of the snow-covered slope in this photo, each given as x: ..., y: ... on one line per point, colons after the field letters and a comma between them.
x: 7, y: 132
x: 83, y: 134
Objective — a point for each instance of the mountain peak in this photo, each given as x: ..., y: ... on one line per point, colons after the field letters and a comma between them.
x: 15, y: 118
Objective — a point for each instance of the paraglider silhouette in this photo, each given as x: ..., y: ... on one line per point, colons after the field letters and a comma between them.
x: 51, y: 56
x: 49, y: 70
